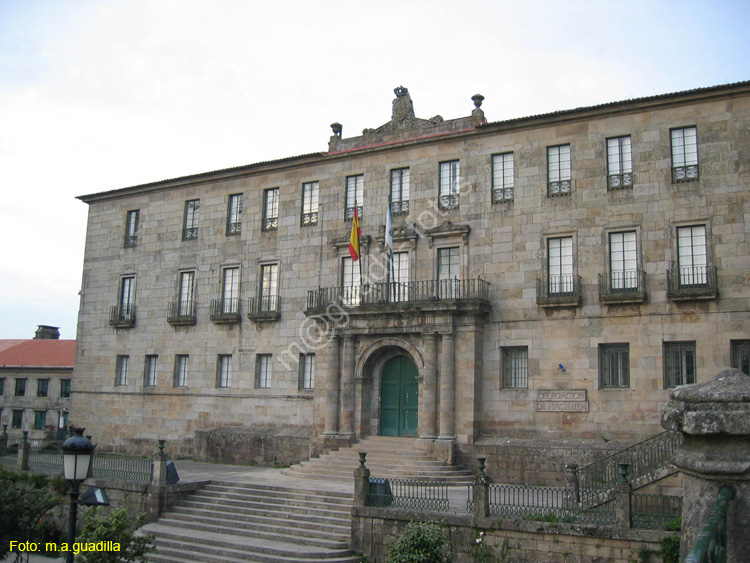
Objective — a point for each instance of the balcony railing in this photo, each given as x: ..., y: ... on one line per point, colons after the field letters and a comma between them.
x: 558, y: 188
x: 682, y: 174
x: 558, y: 291
x: 626, y: 286
x: 399, y: 293
x: 122, y: 316
x: 309, y: 219
x: 225, y: 310
x: 264, y: 308
x: 400, y: 207
x: 190, y: 233
x: 181, y: 313
x: 620, y: 181
x: 691, y: 282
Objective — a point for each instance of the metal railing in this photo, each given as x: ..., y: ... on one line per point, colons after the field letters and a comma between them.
x: 624, y: 285
x: 225, y: 310
x: 596, y: 479
x: 711, y: 543
x: 263, y: 305
x: 691, y: 282
x: 181, y: 312
x: 122, y: 468
x: 654, y: 511
x: 409, y: 494
x: 47, y: 459
x: 558, y: 290
x: 399, y: 293
x: 122, y: 315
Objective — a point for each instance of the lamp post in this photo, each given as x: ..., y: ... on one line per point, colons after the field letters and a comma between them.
x: 77, y: 454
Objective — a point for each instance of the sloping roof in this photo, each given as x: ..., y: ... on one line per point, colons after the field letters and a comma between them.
x: 37, y: 353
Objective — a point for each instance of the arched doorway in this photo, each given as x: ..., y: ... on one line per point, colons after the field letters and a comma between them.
x: 399, y: 398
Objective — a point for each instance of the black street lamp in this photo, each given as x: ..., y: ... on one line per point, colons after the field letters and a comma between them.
x: 77, y: 454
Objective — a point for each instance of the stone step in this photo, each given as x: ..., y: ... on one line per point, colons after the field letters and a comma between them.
x: 283, y: 491
x: 461, y: 476
x: 256, y: 514
x: 278, y: 497
x: 261, y: 509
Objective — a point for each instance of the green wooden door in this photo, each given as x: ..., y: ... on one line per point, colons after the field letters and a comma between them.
x: 399, y: 398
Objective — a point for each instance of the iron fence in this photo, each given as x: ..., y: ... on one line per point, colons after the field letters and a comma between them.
x: 654, y: 511
x: 47, y: 459
x: 122, y: 468
x: 409, y: 494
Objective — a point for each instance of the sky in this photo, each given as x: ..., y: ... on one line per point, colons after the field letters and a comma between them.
x: 97, y: 95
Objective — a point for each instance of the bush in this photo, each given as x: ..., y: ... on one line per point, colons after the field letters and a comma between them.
x: 118, y: 527
x: 23, y: 510
x: 670, y: 550
x: 421, y: 542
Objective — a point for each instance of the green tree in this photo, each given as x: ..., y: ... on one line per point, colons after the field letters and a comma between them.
x: 117, y: 527
x: 421, y: 542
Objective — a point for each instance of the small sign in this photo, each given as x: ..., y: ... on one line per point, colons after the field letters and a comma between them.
x: 562, y: 400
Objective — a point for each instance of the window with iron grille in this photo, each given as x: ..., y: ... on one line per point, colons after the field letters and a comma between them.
x: 619, y: 163
x: 450, y: 184
x: 310, y: 201
x: 149, y: 370
x: 190, y: 221
x: 121, y: 373
x: 270, y: 209
x: 515, y: 367
x: 20, y: 387
x: 503, y: 180
x: 230, y: 290
x: 17, y: 420
x: 307, y: 371
x: 692, y: 256
x: 679, y: 363
x: 263, y: 371
x: 234, y: 215
x: 560, y: 266
x: 558, y: 171
x: 684, y: 155
x: 42, y: 387
x: 354, y: 196
x: 614, y: 366
x: 181, y: 362
x: 224, y: 371
x: 741, y: 355
x: 269, y: 287
x: 350, y: 281
x: 65, y: 388
x: 623, y: 261
x: 40, y: 420
x: 132, y: 220
x: 400, y: 178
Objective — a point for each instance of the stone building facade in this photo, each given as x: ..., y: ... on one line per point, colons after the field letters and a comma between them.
x: 552, y: 277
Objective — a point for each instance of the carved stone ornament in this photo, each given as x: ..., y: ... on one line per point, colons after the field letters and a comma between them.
x: 448, y: 229
x: 403, y: 108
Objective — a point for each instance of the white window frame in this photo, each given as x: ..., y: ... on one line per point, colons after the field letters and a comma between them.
x: 234, y: 215
x: 132, y: 225
x: 449, y: 180
x: 121, y: 370
x: 560, y: 266
x: 127, y: 297
x: 310, y: 204
x: 186, y: 293
x: 400, y: 186
x: 355, y: 186
x: 448, y: 271
x: 351, y: 282
x: 224, y: 371
x: 270, y: 210
x: 263, y: 371
x: 692, y: 256
x: 684, y: 145
x: 619, y: 163
x: 307, y: 371
x: 190, y: 220
x: 181, y: 369
x: 149, y: 370
x: 503, y: 178
x: 400, y: 277
x: 559, y: 181
x: 623, y: 261
x: 230, y: 290
x: 268, y: 291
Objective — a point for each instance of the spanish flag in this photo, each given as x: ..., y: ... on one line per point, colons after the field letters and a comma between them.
x: 354, y: 238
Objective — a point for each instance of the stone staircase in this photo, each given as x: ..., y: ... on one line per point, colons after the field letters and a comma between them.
x: 394, y: 458
x: 236, y: 522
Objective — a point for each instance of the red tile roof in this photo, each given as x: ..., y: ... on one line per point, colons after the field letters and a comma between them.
x: 37, y: 353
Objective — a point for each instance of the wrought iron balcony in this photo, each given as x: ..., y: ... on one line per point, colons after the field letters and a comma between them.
x: 682, y: 174
x: 691, y: 283
x: 182, y: 313
x: 190, y: 233
x: 401, y: 295
x: 627, y: 286
x: 264, y: 308
x: 309, y: 219
x: 558, y: 188
x: 620, y: 181
x: 131, y: 241
x: 559, y: 291
x: 122, y: 316
x: 225, y: 310
x: 270, y: 224
x: 400, y: 207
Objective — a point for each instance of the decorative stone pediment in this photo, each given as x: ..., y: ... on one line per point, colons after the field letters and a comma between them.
x: 447, y: 229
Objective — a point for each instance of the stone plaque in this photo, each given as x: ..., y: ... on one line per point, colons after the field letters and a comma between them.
x: 559, y: 400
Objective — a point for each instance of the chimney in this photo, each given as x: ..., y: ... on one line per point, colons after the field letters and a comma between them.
x: 44, y: 332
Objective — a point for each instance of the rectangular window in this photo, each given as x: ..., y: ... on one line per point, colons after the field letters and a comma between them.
x: 40, y: 420
x: 558, y: 171
x: 692, y: 256
x: 65, y: 388
x: 181, y: 370
x: 560, y: 266
x: 449, y: 271
x: 400, y: 274
x: 350, y: 281
x: 515, y: 367
x: 121, y: 376
x: 400, y: 191
x: 264, y: 370
x: 149, y: 371
x: 269, y: 287
x: 234, y: 215
x: 307, y: 371
x: 190, y: 222
x: 310, y: 201
x: 679, y: 363
x: 42, y: 387
x: 224, y: 371
x: 354, y: 196
x: 619, y: 163
x: 450, y: 184
x: 503, y: 181
x: 132, y: 220
x: 741, y: 355
x: 230, y: 290
x: 2, y: 386
x: 62, y: 420
x: 17, y: 420
x: 20, y: 387
x: 614, y: 366
x: 127, y: 298
x: 684, y: 155
x: 186, y: 304
x: 623, y: 262
x: 270, y: 210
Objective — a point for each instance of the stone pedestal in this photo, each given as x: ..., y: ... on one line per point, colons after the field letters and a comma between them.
x: 714, y: 418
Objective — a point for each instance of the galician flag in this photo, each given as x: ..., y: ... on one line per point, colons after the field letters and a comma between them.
x: 354, y: 238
